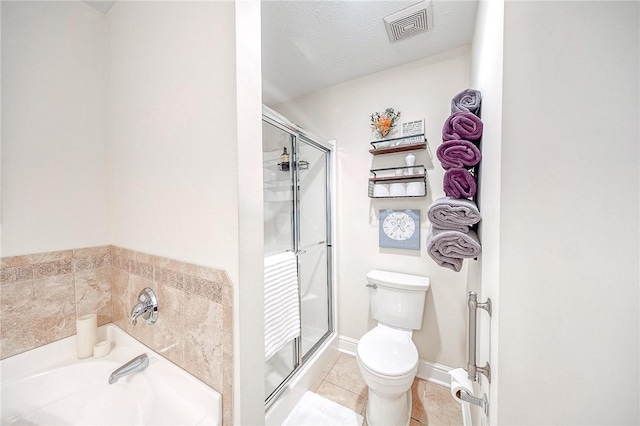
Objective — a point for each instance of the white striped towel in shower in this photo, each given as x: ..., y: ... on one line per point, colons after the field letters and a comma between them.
x: 281, y: 302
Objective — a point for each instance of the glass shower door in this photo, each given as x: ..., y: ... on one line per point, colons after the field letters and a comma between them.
x: 313, y: 243
x: 297, y: 220
x: 278, y: 232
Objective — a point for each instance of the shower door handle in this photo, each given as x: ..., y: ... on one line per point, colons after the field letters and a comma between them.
x: 301, y: 251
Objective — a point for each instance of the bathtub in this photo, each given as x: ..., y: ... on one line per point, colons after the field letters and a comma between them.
x: 50, y: 386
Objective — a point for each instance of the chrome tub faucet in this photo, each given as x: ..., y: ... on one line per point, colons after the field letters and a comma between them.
x: 147, y: 307
x: 137, y: 364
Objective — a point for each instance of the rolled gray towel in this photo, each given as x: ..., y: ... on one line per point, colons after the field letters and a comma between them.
x: 453, y: 214
x: 469, y: 100
x: 448, y: 248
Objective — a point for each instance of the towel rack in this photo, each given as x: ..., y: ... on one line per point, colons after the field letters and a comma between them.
x: 472, y: 368
x: 297, y: 252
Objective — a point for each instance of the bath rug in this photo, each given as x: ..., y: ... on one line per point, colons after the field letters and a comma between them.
x: 469, y: 100
x: 458, y: 153
x: 462, y: 125
x: 314, y: 410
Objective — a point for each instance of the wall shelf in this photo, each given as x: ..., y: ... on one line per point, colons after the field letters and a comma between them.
x: 393, y: 179
x: 403, y: 144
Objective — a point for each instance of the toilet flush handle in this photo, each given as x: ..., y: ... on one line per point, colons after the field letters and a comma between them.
x: 373, y: 286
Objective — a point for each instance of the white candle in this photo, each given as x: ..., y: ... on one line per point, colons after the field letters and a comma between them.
x: 102, y: 349
x: 86, y: 335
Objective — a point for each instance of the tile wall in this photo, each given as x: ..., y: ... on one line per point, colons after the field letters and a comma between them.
x: 194, y: 328
x: 42, y: 294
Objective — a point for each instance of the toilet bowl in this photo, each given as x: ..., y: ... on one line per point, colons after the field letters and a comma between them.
x: 388, y: 362
x: 386, y: 355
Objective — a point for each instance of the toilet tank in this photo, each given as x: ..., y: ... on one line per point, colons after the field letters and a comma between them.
x: 397, y: 299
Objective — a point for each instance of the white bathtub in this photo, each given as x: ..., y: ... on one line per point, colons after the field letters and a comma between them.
x: 50, y: 386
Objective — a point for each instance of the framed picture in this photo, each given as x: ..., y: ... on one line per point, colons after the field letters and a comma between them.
x: 399, y: 229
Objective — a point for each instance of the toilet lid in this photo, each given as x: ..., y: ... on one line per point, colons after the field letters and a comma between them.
x: 388, y: 352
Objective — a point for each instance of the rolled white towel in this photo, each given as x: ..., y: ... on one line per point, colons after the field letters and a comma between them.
x: 468, y: 100
x: 448, y: 248
x: 454, y: 214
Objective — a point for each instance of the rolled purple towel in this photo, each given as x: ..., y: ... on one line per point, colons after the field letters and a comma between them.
x: 462, y: 125
x: 469, y: 100
x: 448, y: 248
x: 458, y: 153
x: 459, y: 183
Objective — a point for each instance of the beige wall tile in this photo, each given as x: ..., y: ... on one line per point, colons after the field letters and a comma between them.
x: 32, y: 259
x: 203, y: 340
x: 169, y: 277
x: 50, y: 269
x: 93, y: 294
x: 227, y: 355
x: 89, y: 259
x: 36, y: 312
x: 199, y: 271
x: 195, y: 323
x: 91, y: 251
x: 144, y: 269
x: 168, y: 332
x: 121, y: 298
x: 19, y: 273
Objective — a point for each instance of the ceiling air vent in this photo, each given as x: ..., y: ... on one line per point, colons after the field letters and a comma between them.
x: 408, y: 22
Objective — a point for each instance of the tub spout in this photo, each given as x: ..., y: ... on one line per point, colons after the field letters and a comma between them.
x: 139, y: 363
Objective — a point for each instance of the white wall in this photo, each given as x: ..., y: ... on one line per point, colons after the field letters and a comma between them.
x: 54, y: 163
x: 421, y: 89
x: 486, y: 76
x: 248, y: 298
x: 174, y: 167
x: 569, y: 246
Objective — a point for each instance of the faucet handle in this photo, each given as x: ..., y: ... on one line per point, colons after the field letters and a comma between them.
x: 147, y: 307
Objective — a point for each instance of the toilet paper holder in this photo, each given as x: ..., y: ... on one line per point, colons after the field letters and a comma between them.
x: 480, y: 402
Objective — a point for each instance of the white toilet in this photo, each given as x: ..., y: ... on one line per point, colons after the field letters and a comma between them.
x: 387, y: 357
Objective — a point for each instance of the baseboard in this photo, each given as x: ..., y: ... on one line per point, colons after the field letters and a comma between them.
x: 433, y: 372
x: 347, y: 345
x: 430, y: 371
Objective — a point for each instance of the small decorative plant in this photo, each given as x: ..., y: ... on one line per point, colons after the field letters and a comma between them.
x: 384, y: 122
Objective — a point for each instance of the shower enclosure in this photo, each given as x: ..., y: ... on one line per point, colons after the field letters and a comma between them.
x: 297, y: 218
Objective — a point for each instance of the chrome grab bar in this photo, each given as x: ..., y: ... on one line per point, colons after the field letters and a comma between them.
x: 472, y: 368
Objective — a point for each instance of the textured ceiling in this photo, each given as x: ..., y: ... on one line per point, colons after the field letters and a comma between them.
x: 309, y: 45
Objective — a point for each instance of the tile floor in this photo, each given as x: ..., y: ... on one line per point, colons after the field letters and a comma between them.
x: 342, y: 383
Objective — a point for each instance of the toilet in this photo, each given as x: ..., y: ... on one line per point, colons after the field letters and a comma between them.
x: 386, y: 355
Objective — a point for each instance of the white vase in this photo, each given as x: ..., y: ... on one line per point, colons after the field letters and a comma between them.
x: 410, y: 160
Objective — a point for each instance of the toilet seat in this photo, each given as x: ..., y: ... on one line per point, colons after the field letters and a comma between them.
x: 388, y: 352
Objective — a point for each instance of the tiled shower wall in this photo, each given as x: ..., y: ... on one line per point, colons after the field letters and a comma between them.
x: 42, y: 294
